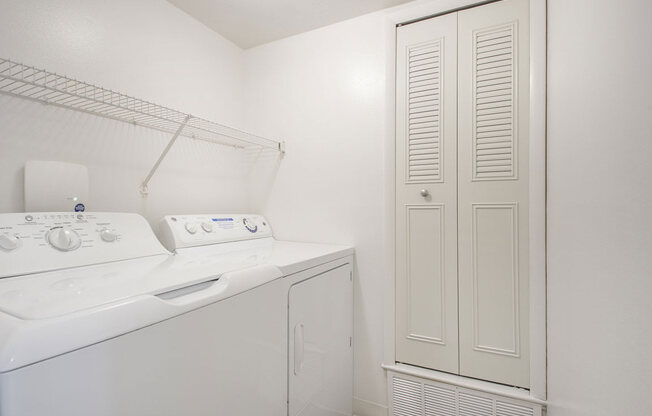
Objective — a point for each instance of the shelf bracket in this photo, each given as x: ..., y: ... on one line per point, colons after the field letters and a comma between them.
x: 144, y: 190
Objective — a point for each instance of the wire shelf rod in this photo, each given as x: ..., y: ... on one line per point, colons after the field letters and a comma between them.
x: 40, y: 85
x: 144, y: 190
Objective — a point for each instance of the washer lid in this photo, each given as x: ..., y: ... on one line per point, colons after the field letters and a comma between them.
x: 52, y: 294
x: 59, y: 293
x: 49, y: 314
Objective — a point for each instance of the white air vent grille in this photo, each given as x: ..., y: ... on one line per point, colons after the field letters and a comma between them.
x: 408, y: 396
x: 472, y: 405
x: 494, y: 100
x: 510, y: 409
x: 439, y: 401
x: 424, y: 111
x: 413, y: 396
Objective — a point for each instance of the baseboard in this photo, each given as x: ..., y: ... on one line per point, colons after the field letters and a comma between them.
x: 366, y: 408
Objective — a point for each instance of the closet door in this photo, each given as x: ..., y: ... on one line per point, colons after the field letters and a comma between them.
x: 493, y: 192
x: 426, y: 194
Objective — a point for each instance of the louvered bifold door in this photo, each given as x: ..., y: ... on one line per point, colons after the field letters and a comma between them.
x: 426, y: 194
x: 493, y: 192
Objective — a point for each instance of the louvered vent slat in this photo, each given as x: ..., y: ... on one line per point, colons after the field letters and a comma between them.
x: 417, y: 116
x: 470, y: 405
x: 425, y: 65
x: 494, y: 101
x: 417, y: 158
x: 427, y: 141
x: 406, y: 397
x: 425, y: 84
x: 510, y: 409
x: 423, y: 77
x: 421, y: 127
x: 504, y: 115
x: 423, y: 91
x: 439, y: 401
x: 423, y: 121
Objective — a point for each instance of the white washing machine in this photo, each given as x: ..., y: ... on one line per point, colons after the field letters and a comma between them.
x: 97, y: 318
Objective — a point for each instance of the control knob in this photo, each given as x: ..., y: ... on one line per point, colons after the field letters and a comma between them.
x: 250, y: 225
x: 64, y: 239
x: 9, y: 242
x: 108, y: 235
x: 191, y: 227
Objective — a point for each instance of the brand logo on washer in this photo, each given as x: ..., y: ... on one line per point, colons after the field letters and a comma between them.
x: 80, y: 208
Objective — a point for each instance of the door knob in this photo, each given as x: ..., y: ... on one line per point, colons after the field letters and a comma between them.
x: 424, y: 193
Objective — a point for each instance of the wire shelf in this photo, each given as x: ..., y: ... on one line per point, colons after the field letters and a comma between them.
x: 47, y: 87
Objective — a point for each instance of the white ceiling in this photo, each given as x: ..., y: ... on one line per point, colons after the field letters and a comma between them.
x: 249, y: 23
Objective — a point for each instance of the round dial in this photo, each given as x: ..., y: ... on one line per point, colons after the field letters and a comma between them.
x: 108, y: 235
x: 250, y: 225
x: 191, y: 227
x: 64, y: 239
x: 9, y: 242
x: 207, y: 226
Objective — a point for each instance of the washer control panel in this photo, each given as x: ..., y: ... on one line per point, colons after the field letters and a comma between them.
x: 180, y: 231
x: 36, y: 242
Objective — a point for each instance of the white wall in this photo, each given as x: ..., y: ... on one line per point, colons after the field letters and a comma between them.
x: 328, y: 89
x: 600, y: 208
x: 148, y: 49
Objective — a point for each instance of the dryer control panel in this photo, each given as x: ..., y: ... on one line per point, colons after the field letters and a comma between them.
x: 42, y: 241
x: 181, y: 231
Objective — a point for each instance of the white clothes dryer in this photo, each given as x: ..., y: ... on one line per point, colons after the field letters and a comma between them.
x: 317, y: 294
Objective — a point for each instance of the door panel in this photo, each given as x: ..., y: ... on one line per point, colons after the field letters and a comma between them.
x: 320, y: 345
x: 493, y: 192
x: 425, y: 234
x: 426, y: 225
